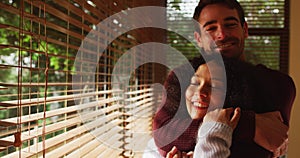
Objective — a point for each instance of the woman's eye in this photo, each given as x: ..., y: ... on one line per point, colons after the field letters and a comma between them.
x: 217, y: 87
x: 194, y: 84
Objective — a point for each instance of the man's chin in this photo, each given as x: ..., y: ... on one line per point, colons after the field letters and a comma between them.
x: 229, y: 54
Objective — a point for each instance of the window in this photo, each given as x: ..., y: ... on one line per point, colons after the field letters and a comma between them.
x: 55, y: 100
x: 269, y: 32
x: 268, y: 29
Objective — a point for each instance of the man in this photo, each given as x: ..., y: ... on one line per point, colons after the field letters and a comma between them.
x: 222, y: 27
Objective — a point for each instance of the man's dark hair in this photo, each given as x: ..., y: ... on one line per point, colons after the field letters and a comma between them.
x: 233, y: 4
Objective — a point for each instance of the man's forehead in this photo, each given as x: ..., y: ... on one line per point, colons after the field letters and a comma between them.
x: 217, y: 12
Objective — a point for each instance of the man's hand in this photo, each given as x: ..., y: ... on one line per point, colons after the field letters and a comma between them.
x: 271, y: 133
x: 224, y: 116
x: 175, y: 153
x: 282, y: 150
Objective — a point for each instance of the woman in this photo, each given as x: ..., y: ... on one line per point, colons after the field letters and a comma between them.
x: 204, y: 96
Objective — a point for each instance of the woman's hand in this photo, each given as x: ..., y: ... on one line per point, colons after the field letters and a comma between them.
x: 224, y: 116
x: 175, y: 153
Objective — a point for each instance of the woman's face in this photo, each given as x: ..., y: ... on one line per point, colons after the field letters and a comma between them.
x: 198, y: 94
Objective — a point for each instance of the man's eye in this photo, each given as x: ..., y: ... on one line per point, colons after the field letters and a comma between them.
x: 231, y: 25
x: 212, y: 28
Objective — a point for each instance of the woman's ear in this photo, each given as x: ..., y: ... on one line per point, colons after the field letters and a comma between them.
x: 198, y: 38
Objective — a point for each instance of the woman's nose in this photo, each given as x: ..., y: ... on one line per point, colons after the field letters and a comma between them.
x: 202, y: 91
x: 203, y: 95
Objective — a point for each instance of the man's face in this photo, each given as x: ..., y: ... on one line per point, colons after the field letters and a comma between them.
x: 221, y: 31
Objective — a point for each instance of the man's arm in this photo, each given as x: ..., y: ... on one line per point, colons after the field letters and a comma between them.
x: 277, y: 131
x: 270, y: 126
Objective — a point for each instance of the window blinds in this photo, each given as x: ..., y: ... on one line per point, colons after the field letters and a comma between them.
x: 269, y: 32
x: 41, y: 113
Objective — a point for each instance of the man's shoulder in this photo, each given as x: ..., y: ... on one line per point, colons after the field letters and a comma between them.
x: 275, y: 78
x: 265, y: 71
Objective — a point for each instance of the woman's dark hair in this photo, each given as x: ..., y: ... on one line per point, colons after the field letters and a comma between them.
x: 240, y: 82
x: 233, y: 4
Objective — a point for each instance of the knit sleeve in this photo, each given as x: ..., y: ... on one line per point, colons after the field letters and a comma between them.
x: 214, y: 140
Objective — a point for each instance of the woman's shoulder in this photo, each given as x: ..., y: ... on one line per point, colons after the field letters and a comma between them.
x: 151, y: 150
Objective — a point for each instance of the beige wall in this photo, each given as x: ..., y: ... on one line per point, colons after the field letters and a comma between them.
x: 294, y: 146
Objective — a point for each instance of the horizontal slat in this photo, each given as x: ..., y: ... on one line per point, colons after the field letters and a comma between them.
x: 37, y: 148
x: 138, y: 103
x: 14, y: 103
x: 139, y: 91
x: 28, y: 135
x: 63, y: 30
x: 140, y: 111
x: 94, y: 147
x: 83, y: 149
x: 24, y: 84
x: 4, y: 144
x: 77, y: 10
x: 139, y: 97
x: 59, y: 14
x: 37, y: 19
x: 138, y: 143
x: 111, y: 152
x: 38, y: 132
x: 86, y: 138
x: 139, y: 126
x: 38, y: 116
x: 29, y: 126
x: 92, y: 9
x: 109, y: 141
x: 145, y: 113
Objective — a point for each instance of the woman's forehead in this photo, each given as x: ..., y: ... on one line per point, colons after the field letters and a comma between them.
x: 212, y: 71
x: 202, y: 69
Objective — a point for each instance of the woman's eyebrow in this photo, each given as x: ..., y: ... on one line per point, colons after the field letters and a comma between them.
x: 218, y: 80
x: 194, y: 77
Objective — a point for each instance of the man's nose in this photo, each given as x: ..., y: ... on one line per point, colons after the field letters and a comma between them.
x: 221, y: 33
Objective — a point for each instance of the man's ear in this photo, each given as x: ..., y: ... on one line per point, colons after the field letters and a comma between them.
x: 245, y: 28
x: 198, y: 38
